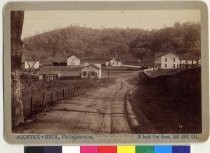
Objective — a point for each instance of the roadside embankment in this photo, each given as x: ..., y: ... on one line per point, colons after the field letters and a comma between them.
x: 171, y: 103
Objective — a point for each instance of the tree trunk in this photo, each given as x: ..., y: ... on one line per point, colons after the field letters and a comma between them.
x: 17, y: 18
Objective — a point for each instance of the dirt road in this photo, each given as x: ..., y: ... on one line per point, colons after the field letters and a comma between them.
x: 98, y: 110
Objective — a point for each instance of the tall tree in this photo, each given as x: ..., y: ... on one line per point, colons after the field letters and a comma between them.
x: 17, y: 18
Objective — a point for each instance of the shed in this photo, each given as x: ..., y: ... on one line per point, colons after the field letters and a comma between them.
x: 91, y: 71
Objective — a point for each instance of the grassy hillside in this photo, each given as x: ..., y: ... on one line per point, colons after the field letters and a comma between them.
x: 125, y: 44
x: 171, y: 103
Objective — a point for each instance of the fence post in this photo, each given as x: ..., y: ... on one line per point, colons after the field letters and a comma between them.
x: 51, y: 96
x: 43, y: 96
x: 57, y: 95
x: 31, y: 105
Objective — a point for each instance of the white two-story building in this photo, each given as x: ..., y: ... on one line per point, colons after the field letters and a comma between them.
x: 166, y: 60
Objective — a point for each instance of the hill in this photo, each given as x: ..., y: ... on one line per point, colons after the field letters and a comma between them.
x: 171, y: 103
x: 108, y: 43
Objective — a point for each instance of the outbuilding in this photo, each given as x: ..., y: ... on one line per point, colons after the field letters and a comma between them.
x: 91, y: 71
x: 73, y: 60
x: 49, y: 76
x: 114, y: 62
x: 189, y: 61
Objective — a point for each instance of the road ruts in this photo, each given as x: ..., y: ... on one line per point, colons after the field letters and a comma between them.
x: 98, y: 111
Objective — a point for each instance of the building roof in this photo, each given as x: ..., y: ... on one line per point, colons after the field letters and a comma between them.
x: 93, y: 65
x: 159, y: 54
x: 188, y: 56
x: 116, y: 59
x: 93, y: 60
x: 185, y: 56
x: 50, y: 72
x: 73, y: 56
x: 30, y: 61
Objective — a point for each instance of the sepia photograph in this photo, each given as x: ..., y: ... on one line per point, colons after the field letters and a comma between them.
x: 106, y: 71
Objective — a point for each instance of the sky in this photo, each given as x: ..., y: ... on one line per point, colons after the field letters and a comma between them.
x: 36, y: 22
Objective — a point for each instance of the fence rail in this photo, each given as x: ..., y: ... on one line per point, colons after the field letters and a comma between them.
x: 39, y: 102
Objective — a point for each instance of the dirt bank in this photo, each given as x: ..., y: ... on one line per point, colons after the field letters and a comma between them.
x: 171, y: 103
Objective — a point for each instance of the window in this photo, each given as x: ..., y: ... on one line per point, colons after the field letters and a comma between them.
x: 174, y: 59
x: 165, y: 65
x: 84, y: 73
x: 165, y: 59
x: 174, y: 66
x: 92, y: 73
x: 186, y: 62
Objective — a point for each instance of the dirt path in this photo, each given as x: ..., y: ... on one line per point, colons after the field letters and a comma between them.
x: 99, y: 110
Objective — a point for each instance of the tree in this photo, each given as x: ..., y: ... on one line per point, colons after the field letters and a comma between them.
x: 141, y: 53
x: 17, y: 18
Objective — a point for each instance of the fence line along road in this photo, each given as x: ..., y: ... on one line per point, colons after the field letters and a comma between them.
x: 38, y: 103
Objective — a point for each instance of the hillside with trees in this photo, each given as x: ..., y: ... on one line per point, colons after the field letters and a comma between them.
x: 113, y: 42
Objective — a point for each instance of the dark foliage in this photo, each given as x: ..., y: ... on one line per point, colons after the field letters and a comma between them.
x: 86, y: 42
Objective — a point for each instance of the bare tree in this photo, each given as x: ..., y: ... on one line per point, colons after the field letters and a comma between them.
x: 17, y: 18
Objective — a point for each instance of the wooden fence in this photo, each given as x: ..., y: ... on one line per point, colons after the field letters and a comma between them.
x: 39, y: 102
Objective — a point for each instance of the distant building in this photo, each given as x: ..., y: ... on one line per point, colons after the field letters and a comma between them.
x: 166, y: 60
x: 49, y: 76
x: 73, y: 60
x: 189, y: 61
x: 91, y: 71
x: 96, y: 64
x: 93, y: 60
x: 31, y: 65
x: 114, y: 62
x: 59, y: 64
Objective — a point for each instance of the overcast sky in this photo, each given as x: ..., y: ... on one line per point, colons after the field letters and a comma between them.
x: 41, y: 21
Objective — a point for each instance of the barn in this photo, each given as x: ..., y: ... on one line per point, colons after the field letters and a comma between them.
x: 73, y: 60
x: 91, y: 71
